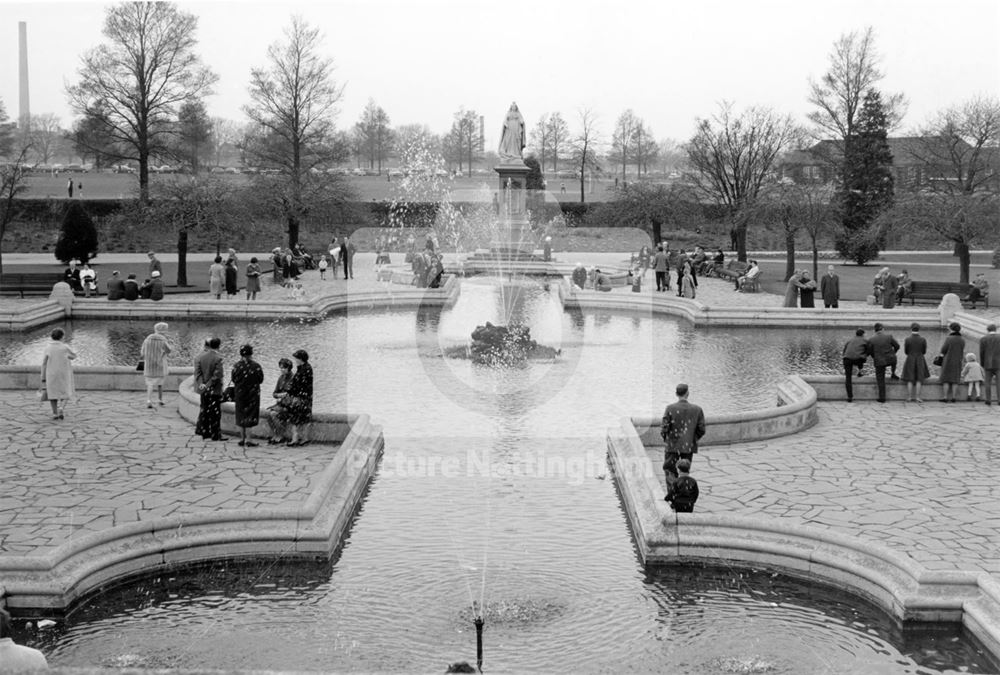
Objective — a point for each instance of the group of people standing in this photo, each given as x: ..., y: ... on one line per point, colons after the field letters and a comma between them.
x: 293, y: 395
x: 687, y: 268
x: 957, y: 366
x: 800, y: 290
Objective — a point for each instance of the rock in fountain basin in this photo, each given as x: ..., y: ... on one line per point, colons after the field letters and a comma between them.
x: 499, y: 345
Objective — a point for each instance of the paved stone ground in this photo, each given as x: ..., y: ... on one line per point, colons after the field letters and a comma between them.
x: 923, y: 479
x: 112, y: 461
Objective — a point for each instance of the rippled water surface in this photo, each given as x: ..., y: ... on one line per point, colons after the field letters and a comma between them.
x: 494, y: 488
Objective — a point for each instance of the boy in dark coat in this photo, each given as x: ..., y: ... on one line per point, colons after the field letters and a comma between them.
x: 684, y: 492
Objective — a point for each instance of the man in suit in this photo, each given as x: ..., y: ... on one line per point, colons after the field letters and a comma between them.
x: 829, y: 288
x: 347, y: 250
x: 683, y: 424
x: 883, y: 348
x: 208, y: 375
x: 661, y: 267
x: 989, y: 359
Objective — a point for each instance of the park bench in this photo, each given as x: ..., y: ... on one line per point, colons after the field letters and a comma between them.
x: 732, y: 270
x: 34, y: 283
x: 935, y: 290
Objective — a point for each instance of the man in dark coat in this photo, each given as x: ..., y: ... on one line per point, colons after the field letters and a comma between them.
x: 116, y: 286
x: 829, y: 288
x: 682, y: 425
x: 208, y: 375
x: 883, y: 348
x: 855, y: 353
x: 131, y: 291
x: 347, y: 250
x: 989, y: 359
x: 661, y: 268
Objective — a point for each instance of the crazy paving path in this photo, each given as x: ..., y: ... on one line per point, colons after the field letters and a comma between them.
x: 922, y: 479
x: 112, y: 462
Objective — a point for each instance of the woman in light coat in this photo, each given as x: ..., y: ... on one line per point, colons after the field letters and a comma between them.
x: 57, y: 373
x: 155, y: 349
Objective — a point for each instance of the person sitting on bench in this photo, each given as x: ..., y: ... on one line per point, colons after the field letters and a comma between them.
x: 980, y: 289
x: 752, y: 272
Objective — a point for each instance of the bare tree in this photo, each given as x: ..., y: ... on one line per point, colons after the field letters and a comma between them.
x: 732, y: 158
x: 586, y: 148
x: 465, y: 138
x: 838, y: 95
x: 646, y: 148
x: 12, y: 184
x: 6, y: 132
x: 46, y: 136
x: 293, y: 105
x: 621, y: 139
x: 960, y: 147
x: 962, y: 218
x: 143, y: 73
x: 541, y: 138
x: 225, y: 134
x: 374, y: 134
x: 558, y: 132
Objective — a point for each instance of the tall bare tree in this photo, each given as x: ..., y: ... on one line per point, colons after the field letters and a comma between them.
x: 541, y: 139
x: 46, y: 136
x: 622, y: 138
x: 293, y: 103
x: 586, y: 148
x: 558, y: 133
x: 465, y: 137
x: 225, y: 134
x: 839, y: 94
x: 141, y: 75
x: 374, y: 134
x: 732, y: 156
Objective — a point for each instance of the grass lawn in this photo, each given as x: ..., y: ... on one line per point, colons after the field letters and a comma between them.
x: 466, y: 188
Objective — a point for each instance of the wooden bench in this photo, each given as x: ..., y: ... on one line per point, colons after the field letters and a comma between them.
x: 34, y: 283
x: 733, y: 270
x: 935, y: 290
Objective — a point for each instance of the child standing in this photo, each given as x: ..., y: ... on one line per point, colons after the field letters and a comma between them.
x: 684, y: 492
x: 972, y: 373
x: 323, y: 264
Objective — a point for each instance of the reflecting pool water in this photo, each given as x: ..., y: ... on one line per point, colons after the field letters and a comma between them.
x: 494, y: 489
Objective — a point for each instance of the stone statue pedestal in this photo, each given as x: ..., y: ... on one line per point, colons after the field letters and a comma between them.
x: 514, y: 232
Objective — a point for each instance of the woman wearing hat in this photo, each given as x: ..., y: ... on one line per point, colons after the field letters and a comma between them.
x: 296, y: 406
x: 247, y: 376
x: 154, y: 351
x: 156, y: 286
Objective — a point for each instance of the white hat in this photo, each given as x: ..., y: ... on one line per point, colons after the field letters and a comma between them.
x: 155, y: 274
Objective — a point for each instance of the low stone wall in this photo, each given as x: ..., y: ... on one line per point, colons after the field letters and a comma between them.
x: 104, y: 378
x: 895, y: 582
x: 795, y: 411
x: 831, y: 388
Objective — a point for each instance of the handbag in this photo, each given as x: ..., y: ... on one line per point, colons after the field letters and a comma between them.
x: 229, y: 393
x: 141, y: 366
x: 43, y: 395
x: 938, y: 360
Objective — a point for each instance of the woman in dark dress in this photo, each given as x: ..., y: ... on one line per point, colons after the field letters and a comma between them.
x: 247, y: 376
x: 296, y: 405
x: 232, y: 287
x: 915, y: 369
x: 953, y: 353
x: 280, y: 389
x: 807, y: 291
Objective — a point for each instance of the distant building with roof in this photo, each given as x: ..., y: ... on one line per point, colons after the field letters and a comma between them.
x: 917, y: 161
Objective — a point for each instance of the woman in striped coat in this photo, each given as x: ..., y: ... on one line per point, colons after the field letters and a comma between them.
x: 155, y: 349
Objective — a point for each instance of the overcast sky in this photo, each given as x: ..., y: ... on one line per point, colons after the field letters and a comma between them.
x: 669, y: 61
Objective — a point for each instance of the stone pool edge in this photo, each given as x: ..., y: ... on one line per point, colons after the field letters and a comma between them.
x: 892, y: 580
x: 312, y: 528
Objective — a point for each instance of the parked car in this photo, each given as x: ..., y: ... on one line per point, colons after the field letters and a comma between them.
x: 75, y: 168
x: 358, y: 172
x: 123, y: 168
x: 232, y: 169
